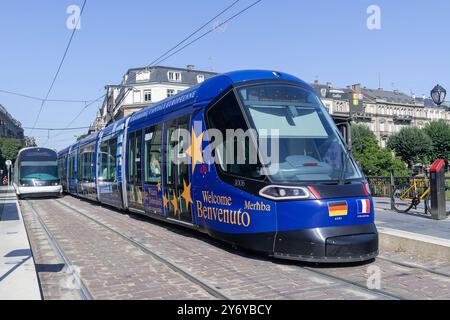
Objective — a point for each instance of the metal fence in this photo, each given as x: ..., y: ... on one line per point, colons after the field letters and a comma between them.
x: 381, y: 186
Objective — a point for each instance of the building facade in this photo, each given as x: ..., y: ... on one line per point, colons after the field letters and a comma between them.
x: 384, y: 112
x: 9, y: 127
x: 143, y: 87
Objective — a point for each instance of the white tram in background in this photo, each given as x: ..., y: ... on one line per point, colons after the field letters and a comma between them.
x: 36, y: 174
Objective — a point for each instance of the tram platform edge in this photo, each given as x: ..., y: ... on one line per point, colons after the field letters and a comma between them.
x: 18, y: 277
x: 412, y: 233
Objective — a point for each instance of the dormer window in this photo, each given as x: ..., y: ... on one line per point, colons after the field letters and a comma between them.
x: 200, y: 78
x: 174, y: 76
x: 142, y: 76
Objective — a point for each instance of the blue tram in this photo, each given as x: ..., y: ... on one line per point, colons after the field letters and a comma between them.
x: 282, y: 181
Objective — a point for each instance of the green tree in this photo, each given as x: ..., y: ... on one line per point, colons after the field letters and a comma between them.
x: 359, y: 132
x: 9, y: 148
x: 374, y: 160
x: 81, y: 137
x: 439, y: 132
x: 412, y: 145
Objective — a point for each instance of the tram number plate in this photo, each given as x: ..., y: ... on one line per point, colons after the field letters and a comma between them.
x: 239, y: 183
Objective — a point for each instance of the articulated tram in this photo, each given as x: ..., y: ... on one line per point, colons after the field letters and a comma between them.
x: 36, y: 173
x: 249, y: 157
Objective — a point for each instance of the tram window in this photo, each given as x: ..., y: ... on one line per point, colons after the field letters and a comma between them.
x: 177, y: 174
x: 153, y: 148
x: 86, y: 167
x: 137, y: 160
x: 225, y: 115
x: 134, y: 157
x: 71, y: 167
x: 131, y: 155
x: 108, y: 160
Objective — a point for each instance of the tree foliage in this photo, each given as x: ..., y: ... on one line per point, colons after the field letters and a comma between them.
x: 374, y: 160
x: 412, y: 145
x: 9, y: 148
x: 81, y: 137
x: 439, y: 132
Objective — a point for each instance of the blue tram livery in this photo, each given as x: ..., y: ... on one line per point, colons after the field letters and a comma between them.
x: 303, y: 198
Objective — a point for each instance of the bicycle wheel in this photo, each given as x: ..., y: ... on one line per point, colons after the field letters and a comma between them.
x: 403, y: 203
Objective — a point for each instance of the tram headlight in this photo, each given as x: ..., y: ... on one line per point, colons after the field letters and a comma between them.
x: 285, y: 193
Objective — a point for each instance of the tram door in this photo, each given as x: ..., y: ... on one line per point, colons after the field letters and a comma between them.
x: 177, y: 191
x: 135, y: 199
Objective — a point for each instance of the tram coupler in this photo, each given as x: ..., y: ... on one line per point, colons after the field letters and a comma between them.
x: 437, y: 189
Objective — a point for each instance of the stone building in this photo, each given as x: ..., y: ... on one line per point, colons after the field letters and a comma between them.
x: 143, y: 87
x: 9, y: 127
x: 384, y: 112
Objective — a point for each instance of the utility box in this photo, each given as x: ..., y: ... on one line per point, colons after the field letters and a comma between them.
x: 437, y: 185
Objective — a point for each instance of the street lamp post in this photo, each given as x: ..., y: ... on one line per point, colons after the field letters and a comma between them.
x: 438, y: 95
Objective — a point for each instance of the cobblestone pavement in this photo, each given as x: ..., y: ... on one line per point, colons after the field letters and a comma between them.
x: 109, y: 266
x: 112, y: 268
x: 54, y: 278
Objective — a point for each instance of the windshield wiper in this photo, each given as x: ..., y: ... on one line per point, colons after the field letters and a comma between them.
x: 344, y: 166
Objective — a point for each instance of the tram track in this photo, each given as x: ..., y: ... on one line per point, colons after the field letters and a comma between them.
x: 170, y: 264
x: 414, y: 266
x: 82, y: 289
x: 327, y: 273
x: 381, y: 293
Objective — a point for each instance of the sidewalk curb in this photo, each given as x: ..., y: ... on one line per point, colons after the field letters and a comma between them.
x: 413, y: 243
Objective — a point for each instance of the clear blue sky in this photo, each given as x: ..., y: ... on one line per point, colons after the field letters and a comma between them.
x: 323, y: 39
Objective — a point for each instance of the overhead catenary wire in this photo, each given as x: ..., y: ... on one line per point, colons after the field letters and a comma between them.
x: 57, y: 129
x: 209, y: 31
x: 169, y: 53
x: 59, y: 66
x: 24, y: 95
x: 156, y: 61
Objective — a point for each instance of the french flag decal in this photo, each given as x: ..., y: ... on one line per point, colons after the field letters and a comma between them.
x: 363, y: 206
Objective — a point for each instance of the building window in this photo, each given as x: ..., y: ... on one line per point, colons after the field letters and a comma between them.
x: 136, y: 96
x: 174, y: 76
x: 142, y: 76
x: 170, y: 93
x: 148, y: 95
x: 200, y: 78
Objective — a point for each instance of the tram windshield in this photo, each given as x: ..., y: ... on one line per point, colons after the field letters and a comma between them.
x: 309, y: 145
x: 38, y: 165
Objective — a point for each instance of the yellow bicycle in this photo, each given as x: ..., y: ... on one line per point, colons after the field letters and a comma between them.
x: 407, y: 196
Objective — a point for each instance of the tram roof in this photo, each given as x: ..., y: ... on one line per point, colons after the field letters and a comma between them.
x: 203, y: 92
x: 208, y: 90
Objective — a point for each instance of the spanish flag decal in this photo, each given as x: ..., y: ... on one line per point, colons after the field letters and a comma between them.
x: 338, y: 208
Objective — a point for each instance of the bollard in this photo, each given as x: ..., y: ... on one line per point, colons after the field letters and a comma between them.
x: 437, y: 185
x: 392, y: 191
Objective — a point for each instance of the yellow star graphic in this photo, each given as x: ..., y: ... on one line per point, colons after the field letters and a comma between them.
x: 186, y: 195
x: 195, y: 149
x: 165, y: 200
x: 159, y: 185
x: 174, y: 203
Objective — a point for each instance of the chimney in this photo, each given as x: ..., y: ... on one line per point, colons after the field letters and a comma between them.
x: 190, y: 67
x: 356, y: 87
